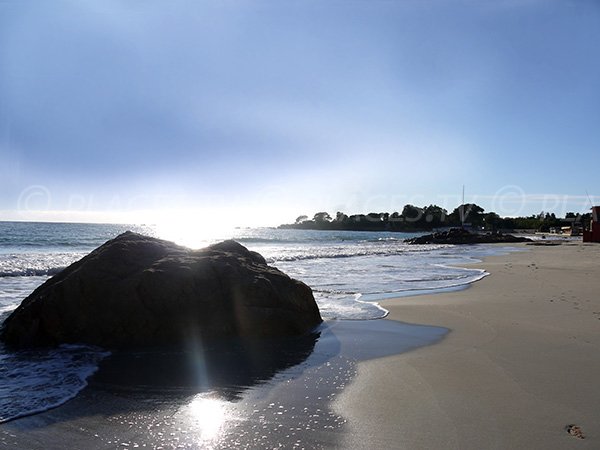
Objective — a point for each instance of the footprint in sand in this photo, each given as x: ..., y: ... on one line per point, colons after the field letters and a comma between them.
x: 575, y: 431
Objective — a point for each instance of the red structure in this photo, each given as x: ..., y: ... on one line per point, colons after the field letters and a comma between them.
x: 593, y: 235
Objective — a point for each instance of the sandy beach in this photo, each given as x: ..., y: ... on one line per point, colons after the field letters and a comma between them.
x: 509, y: 362
x: 520, y: 363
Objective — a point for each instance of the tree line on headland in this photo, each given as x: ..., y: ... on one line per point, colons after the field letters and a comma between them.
x: 414, y: 218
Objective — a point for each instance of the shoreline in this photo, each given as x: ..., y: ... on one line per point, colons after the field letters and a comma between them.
x: 379, y: 299
x: 518, y: 366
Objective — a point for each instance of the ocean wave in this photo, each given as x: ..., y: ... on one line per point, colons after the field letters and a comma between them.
x: 36, y: 264
x: 36, y: 381
x: 14, y: 289
x: 31, y: 272
x: 28, y: 236
x: 436, y: 278
x: 334, y: 291
x: 462, y: 281
x: 348, y: 307
x: 345, y: 251
x: 49, y: 244
x: 387, y: 239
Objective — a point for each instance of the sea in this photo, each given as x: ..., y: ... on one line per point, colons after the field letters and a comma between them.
x: 349, y: 272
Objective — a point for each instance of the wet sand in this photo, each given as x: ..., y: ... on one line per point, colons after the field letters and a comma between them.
x: 266, y: 394
x: 521, y: 363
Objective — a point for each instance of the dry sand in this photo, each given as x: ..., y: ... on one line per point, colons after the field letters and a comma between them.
x: 521, y: 363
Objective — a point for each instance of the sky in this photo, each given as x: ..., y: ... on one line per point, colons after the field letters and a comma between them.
x: 256, y: 112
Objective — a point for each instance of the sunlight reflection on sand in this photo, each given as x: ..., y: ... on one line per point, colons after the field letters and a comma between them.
x: 208, y: 416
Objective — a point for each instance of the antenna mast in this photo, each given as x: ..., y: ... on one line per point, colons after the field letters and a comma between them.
x: 590, y: 200
x: 462, y: 208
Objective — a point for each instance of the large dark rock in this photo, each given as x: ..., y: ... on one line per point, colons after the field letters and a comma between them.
x: 461, y: 236
x: 140, y: 291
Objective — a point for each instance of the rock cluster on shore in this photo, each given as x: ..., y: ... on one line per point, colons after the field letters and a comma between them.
x: 461, y: 236
x: 138, y: 291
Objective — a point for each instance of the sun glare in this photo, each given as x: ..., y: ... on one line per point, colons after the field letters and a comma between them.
x: 193, y: 233
x: 198, y: 228
x: 209, y: 416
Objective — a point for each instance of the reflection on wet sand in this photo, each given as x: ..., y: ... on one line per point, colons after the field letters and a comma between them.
x: 228, y: 366
x: 244, y: 394
x: 209, y: 415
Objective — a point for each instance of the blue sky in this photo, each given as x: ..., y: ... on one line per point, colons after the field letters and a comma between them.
x: 264, y: 110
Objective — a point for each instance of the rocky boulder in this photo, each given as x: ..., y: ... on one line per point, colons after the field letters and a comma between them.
x: 461, y: 236
x: 138, y: 291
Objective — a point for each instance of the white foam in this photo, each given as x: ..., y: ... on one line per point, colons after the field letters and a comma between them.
x: 35, y: 263
x: 35, y: 381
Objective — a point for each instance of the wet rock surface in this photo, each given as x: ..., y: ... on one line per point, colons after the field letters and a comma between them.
x: 138, y: 291
x: 461, y: 236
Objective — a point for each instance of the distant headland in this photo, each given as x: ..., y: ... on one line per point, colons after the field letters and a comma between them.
x: 428, y: 218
